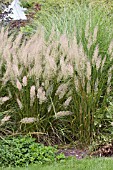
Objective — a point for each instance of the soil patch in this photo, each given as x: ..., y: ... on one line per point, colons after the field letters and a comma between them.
x: 102, y: 151
x: 78, y: 153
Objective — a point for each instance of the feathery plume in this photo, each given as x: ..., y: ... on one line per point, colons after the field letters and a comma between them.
x: 5, y: 119
x: 64, y: 42
x: 19, y: 103
x: 95, y: 55
x: 41, y: 95
x: 24, y: 81
x: 19, y: 85
x: 88, y: 70
x: 61, y: 91
x: 67, y: 102
x: 63, y: 113
x: 28, y: 120
x: 95, y: 33
x: 15, y: 70
x: 4, y: 99
x: 32, y: 94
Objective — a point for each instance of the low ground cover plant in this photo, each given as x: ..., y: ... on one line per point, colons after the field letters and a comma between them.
x: 22, y: 151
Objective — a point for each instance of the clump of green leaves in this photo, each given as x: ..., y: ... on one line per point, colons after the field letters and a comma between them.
x: 23, y: 151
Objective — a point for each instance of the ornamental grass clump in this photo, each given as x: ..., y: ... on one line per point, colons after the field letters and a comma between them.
x: 32, y: 82
x: 55, y: 87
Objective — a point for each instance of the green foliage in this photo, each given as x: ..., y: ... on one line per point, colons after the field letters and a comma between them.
x: 38, y: 91
x: 67, y: 19
x: 72, y: 164
x: 89, y: 90
x: 35, y: 110
x: 23, y: 151
x: 104, y: 125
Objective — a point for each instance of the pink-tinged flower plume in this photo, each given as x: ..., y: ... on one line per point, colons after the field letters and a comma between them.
x: 28, y: 120
x: 19, y: 85
x: 24, y: 81
x: 5, y: 119
x: 19, y: 103
x: 41, y: 95
x: 32, y: 94
x: 67, y: 102
x: 63, y: 113
x: 4, y: 99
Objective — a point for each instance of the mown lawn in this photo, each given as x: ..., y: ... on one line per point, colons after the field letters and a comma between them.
x: 84, y: 164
